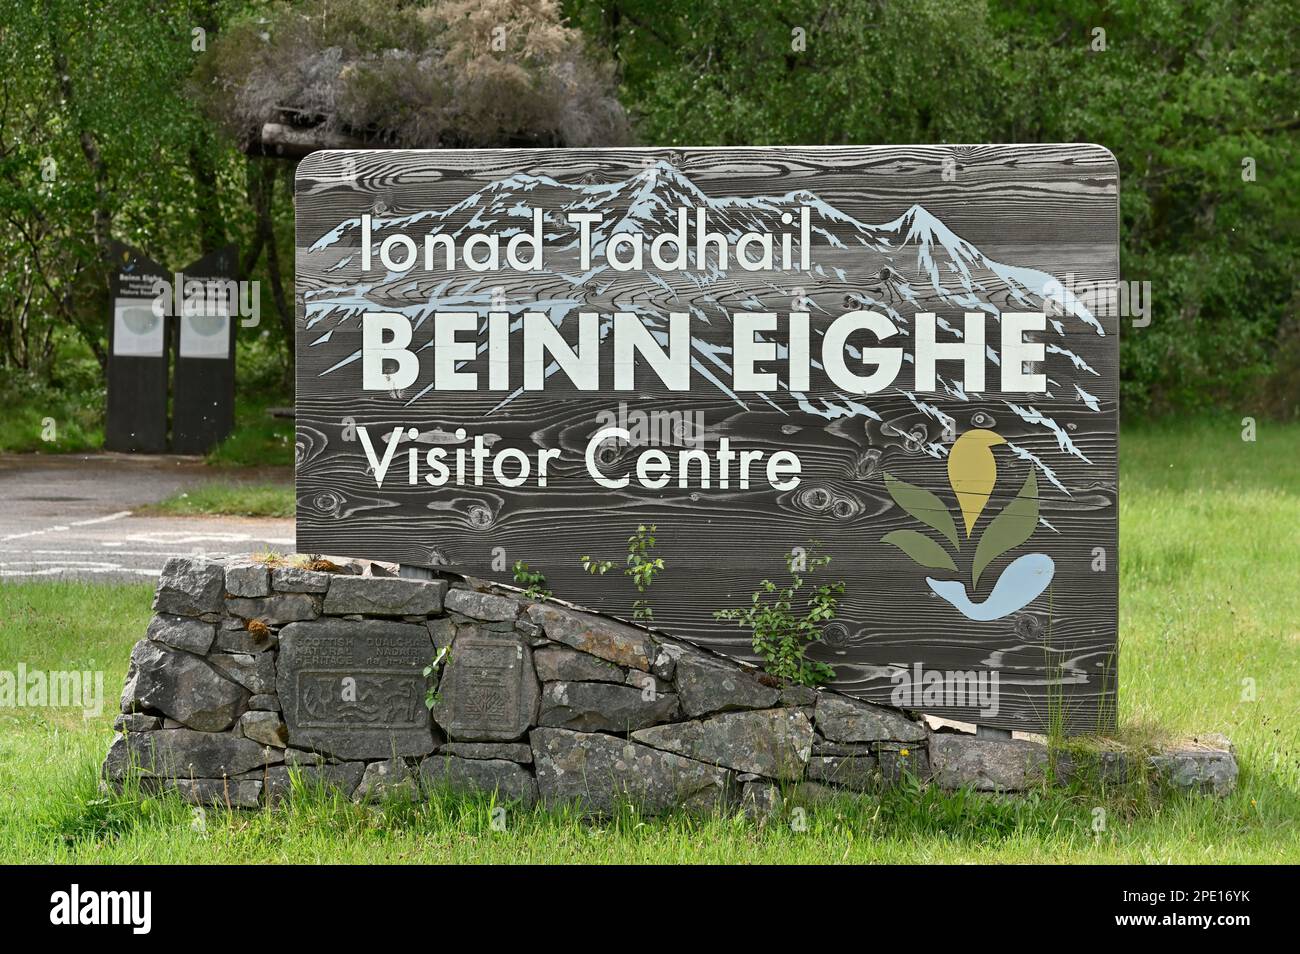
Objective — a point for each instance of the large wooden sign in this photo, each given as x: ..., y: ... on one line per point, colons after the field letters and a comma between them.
x: 893, y: 355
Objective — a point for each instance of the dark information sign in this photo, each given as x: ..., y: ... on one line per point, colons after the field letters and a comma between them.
x: 135, y: 419
x: 204, y: 392
x: 904, y: 358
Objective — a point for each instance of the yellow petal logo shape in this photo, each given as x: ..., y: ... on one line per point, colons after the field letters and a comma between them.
x: 972, y: 472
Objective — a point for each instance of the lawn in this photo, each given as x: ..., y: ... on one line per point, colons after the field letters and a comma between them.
x: 1210, y: 642
x: 233, y: 499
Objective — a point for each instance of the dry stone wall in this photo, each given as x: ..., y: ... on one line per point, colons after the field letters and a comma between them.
x: 249, y: 673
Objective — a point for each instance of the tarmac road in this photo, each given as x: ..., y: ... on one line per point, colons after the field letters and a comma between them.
x: 74, y: 517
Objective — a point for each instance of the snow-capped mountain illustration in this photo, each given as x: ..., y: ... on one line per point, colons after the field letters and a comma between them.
x: 909, y: 264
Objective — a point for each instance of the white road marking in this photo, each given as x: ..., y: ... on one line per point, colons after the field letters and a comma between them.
x: 88, y: 551
x: 60, y: 528
x: 58, y: 567
x: 112, y: 516
x: 173, y: 537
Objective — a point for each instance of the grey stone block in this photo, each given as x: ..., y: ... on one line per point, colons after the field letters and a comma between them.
x: 664, y: 661
x: 488, y: 691
x: 488, y: 607
x: 509, y: 781
x: 822, y: 747
x: 603, y: 707
x: 986, y: 765
x: 182, y: 632
x: 294, y: 579
x: 609, y: 639
x: 246, y: 578
x: 277, y: 781
x: 217, y: 792
x: 858, y: 772
x: 241, y: 640
x: 775, y: 743
x: 562, y: 664
x: 1206, y: 765
x: 355, y: 690
x: 388, y: 780
x: 707, y: 685
x: 276, y: 609
x: 136, y: 722
x: 599, y: 771
x: 646, y: 681
x: 796, y: 695
x: 384, y: 596
x: 264, y: 727
x: 442, y: 631
x: 841, y: 719
x: 190, y: 587
x: 898, y: 759
x: 254, y: 673
x: 181, y: 686
x: 184, y: 753
x: 510, y: 751
x: 761, y: 801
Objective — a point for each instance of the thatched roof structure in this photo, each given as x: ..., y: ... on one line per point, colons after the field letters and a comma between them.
x: 379, y: 73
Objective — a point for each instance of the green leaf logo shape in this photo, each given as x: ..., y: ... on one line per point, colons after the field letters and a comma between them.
x: 921, y: 549
x: 1012, y: 527
x: 926, y: 507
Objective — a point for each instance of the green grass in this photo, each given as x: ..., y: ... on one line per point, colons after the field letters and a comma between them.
x: 44, y: 420
x: 39, y: 419
x: 258, y: 440
x: 230, y: 499
x: 1208, y: 600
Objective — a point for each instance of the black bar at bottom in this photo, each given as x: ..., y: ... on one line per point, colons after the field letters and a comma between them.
x: 945, y: 903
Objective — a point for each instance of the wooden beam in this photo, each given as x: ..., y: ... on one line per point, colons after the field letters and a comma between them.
x: 295, y: 142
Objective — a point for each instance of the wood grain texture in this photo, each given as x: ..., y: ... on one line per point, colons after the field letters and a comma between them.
x: 1048, y: 208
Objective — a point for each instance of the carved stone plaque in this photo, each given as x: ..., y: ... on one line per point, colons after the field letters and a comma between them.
x: 356, y: 689
x: 489, y: 689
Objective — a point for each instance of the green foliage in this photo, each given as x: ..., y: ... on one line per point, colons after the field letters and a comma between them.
x: 100, y: 138
x: 433, y: 673
x: 47, y: 419
x: 597, y: 567
x: 642, y: 568
x: 533, y: 581
x: 259, y: 439
x: 1182, y: 94
x: 783, y: 629
x: 231, y: 498
x: 1202, y: 591
x: 106, y: 129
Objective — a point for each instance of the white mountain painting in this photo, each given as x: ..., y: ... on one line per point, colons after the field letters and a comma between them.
x: 909, y: 264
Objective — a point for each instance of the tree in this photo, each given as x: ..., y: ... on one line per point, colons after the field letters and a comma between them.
x: 1193, y: 98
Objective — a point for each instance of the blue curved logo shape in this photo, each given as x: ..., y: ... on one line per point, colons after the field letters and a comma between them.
x: 1022, y: 582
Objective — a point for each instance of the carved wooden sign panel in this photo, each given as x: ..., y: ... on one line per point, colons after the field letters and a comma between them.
x: 904, y: 358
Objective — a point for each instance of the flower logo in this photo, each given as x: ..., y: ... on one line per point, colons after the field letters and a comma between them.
x: 972, y: 474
